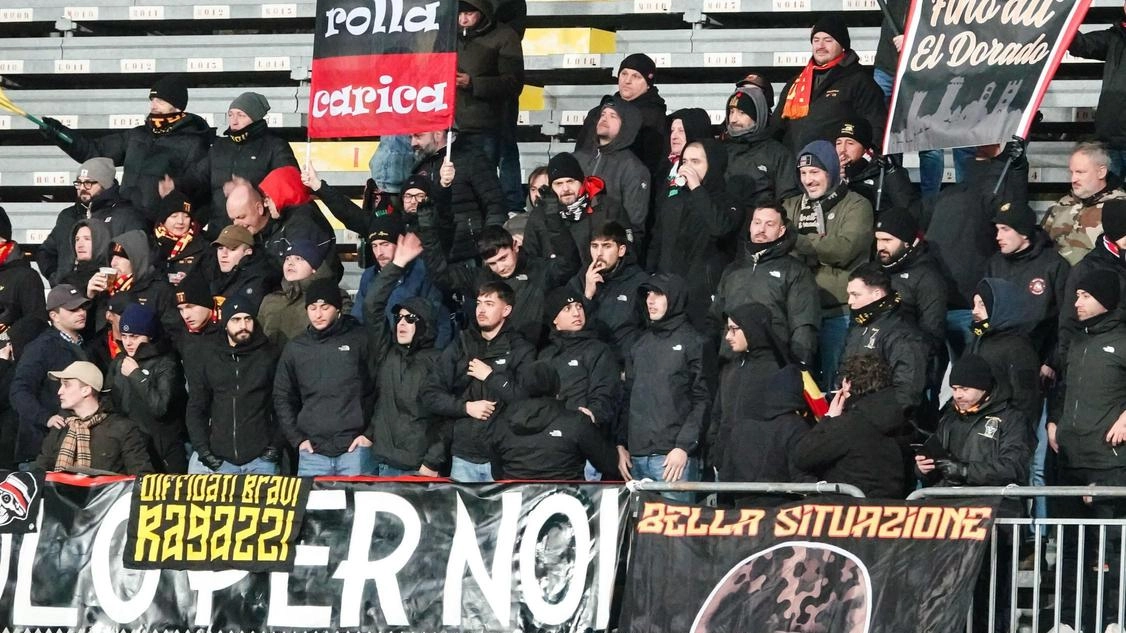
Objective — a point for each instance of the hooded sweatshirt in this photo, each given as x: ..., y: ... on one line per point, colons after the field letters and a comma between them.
x: 1003, y: 341
x: 759, y: 169
x: 490, y: 53
x: 108, y: 209
x: 148, y: 286
x: 666, y: 393
x: 79, y: 274
x: 651, y: 144
x: 690, y: 226
x: 697, y: 125
x: 626, y: 177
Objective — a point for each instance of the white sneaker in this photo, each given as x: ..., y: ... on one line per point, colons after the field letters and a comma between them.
x: 1114, y: 627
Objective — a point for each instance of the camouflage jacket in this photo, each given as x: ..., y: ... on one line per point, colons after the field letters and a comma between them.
x: 1075, y: 223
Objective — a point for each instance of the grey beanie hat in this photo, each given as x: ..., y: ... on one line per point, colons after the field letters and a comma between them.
x: 253, y: 104
x: 99, y: 169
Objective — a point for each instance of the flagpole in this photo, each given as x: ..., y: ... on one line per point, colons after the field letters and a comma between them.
x: 449, y: 143
x: 1005, y: 169
x: 880, y: 187
x: 896, y: 31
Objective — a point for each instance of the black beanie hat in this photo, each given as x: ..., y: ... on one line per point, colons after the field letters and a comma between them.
x: 1103, y: 285
x: 237, y: 304
x: 972, y: 371
x: 195, y: 290
x: 1017, y: 215
x: 857, y: 129
x: 5, y: 225
x: 985, y: 290
x: 326, y: 290
x: 900, y: 224
x: 422, y: 183
x: 174, y: 202
x: 835, y: 26
x: 387, y: 227
x: 1114, y: 219
x: 564, y: 165
x: 558, y: 299
x: 742, y: 101
x: 642, y: 63
x: 171, y: 89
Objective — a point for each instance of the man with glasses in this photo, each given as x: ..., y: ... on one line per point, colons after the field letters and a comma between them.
x: 99, y: 199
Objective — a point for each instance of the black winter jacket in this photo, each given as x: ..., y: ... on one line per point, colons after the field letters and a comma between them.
x: 80, y: 272
x: 542, y: 439
x: 324, y: 388
x: 1042, y: 273
x: 613, y: 312
x: 1105, y: 256
x: 589, y: 373
x: 839, y: 93
x: 651, y: 144
x: 602, y: 209
x: 866, y: 446
x: 898, y: 190
x: 116, y: 446
x: 148, y: 156
x: 21, y: 291
x: 1109, y: 46
x: 491, y: 55
x: 250, y: 153
x: 961, y: 237
x: 1004, y: 343
x: 917, y: 277
x: 35, y: 396
x: 760, y: 169
x: 474, y: 200
x: 1094, y: 396
x: 150, y: 287
x: 449, y: 387
x: 230, y: 412
x: 404, y: 433
x: 667, y: 396
x: 254, y: 277
x: 901, y: 344
x: 56, y: 254
x: 772, y: 277
x: 153, y: 395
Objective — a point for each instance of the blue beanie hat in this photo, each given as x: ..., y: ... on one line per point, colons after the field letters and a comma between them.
x: 140, y: 320
x: 822, y: 155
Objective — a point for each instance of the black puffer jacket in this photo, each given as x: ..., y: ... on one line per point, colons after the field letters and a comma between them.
x: 917, y: 277
x: 250, y: 153
x: 651, y: 144
x: 449, y: 387
x: 191, y: 256
x: 324, y: 388
x: 254, y: 277
x: 1094, y: 396
x: 1003, y: 341
x: 613, y: 312
x: 116, y: 446
x: 892, y: 337
x: 1109, y: 46
x: 108, y: 209
x: 154, y: 397
x: 667, y: 396
x: 626, y: 176
x: 230, y: 412
x: 1042, y: 273
x: 21, y: 290
x: 866, y: 446
x: 589, y: 373
x: 491, y: 55
x: 540, y: 439
x: 404, y: 433
x: 772, y: 277
x: 839, y: 92
x: 474, y: 199
x: 689, y: 228
x: 1105, y: 256
x: 148, y: 156
x: 760, y: 169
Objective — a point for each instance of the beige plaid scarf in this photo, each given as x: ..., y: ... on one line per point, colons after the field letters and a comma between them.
x: 75, y: 449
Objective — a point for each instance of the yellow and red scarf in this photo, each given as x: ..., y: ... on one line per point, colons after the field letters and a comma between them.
x: 801, y: 91
x: 121, y: 284
x: 181, y: 241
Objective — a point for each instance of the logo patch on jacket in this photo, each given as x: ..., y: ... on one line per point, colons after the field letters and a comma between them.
x: 872, y: 340
x: 344, y: 348
x: 763, y: 168
x: 573, y: 363
x: 677, y: 347
x: 776, y: 274
x: 623, y: 298
x: 499, y: 361
x: 1109, y: 349
x: 556, y: 433
x: 992, y: 425
x: 1037, y: 286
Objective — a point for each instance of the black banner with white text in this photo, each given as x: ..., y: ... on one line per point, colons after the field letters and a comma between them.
x: 973, y: 72
x: 383, y: 67
x: 855, y: 565
x: 371, y: 555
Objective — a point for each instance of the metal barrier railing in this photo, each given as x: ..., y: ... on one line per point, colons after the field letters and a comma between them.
x: 765, y: 488
x: 1105, y: 576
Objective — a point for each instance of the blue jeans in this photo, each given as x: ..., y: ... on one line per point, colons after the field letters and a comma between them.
x: 958, y: 332
x: 962, y: 156
x: 1039, y: 462
x: 511, y: 184
x: 830, y: 343
x: 392, y: 162
x: 383, y: 470
x: 470, y: 472
x: 653, y: 467
x: 1117, y: 161
x: 257, y: 466
x: 358, y: 462
x: 931, y: 161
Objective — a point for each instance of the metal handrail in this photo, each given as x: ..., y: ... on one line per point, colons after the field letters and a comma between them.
x: 1013, y: 490
x: 822, y: 487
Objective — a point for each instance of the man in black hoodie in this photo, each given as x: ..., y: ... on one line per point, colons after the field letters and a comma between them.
x: 136, y: 278
x: 760, y: 169
x: 160, y: 153
x: 636, y: 76
x: 99, y: 201
x: 406, y: 437
x: 609, y: 284
x: 755, y: 420
x: 766, y: 274
x: 473, y: 380
x: 540, y: 438
x: 324, y: 391
x: 610, y: 158
x: 1108, y: 254
x: 666, y: 392
x: 230, y: 411
x: 832, y: 85
x: 878, y: 326
x: 1000, y: 336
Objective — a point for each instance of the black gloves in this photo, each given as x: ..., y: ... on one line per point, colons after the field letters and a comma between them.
x: 270, y: 454
x: 53, y: 130
x: 210, y: 460
x: 1015, y: 148
x: 952, y: 470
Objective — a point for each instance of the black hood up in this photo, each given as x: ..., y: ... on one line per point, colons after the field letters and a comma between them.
x: 697, y: 124
x: 631, y: 123
x: 426, y: 329
x: 673, y: 287
x: 784, y: 394
x: 101, y: 239
x: 1009, y: 307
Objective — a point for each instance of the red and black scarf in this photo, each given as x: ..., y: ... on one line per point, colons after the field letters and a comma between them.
x: 801, y: 91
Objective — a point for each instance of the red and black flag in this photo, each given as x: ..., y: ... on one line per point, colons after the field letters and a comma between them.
x: 973, y: 72
x: 383, y: 67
